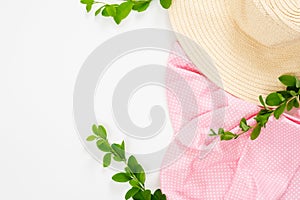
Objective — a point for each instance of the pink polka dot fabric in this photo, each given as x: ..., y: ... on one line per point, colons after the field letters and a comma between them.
x: 197, y: 166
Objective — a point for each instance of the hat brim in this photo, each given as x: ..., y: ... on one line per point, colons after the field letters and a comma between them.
x: 246, y: 67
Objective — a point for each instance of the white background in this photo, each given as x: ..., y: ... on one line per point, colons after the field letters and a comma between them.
x: 43, y: 45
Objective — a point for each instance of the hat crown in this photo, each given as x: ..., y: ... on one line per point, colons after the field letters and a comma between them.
x: 270, y: 22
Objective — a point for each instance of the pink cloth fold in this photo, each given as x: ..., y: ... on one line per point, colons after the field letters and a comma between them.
x: 200, y: 167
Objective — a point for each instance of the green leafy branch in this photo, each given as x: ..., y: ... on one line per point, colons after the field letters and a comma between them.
x: 133, y: 173
x: 120, y: 11
x: 278, y: 102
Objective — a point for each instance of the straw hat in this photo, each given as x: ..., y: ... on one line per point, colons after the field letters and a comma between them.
x: 251, y: 42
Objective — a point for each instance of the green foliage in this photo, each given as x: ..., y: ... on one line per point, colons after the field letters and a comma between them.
x: 107, y: 159
x: 165, y: 3
x: 158, y: 195
x: 141, y: 6
x: 122, y: 177
x: 120, y: 11
x: 228, y: 136
x: 133, y: 173
x: 261, y: 99
x: 135, y: 183
x: 244, y: 126
x: 91, y: 138
x: 99, y: 131
x: 120, y: 153
x: 274, y: 99
x: 130, y: 193
x: 279, y: 110
x: 256, y: 131
x: 143, y: 195
x: 288, y: 80
x: 103, y: 145
x: 278, y: 103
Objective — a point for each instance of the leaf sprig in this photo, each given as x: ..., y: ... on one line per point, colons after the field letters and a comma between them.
x: 120, y: 11
x: 278, y: 103
x: 133, y: 173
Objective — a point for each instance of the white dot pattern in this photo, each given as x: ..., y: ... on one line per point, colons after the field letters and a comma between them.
x: 264, y: 169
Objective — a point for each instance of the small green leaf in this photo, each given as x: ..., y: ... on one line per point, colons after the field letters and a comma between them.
x: 110, y: 10
x: 95, y: 130
x: 261, y: 99
x: 134, y: 183
x: 285, y: 94
x: 118, y: 159
x: 158, y: 195
x: 281, y: 97
x: 263, y: 117
x: 132, y: 163
x: 99, y: 131
x: 297, y: 83
x: 165, y: 3
x: 87, y: 1
x: 104, y: 13
x: 123, y: 145
x: 278, y: 112
x: 143, y: 195
x: 103, y: 145
x: 141, y: 177
x: 288, y: 80
x: 91, y: 138
x: 290, y: 105
x: 117, y: 148
x: 88, y: 7
x: 98, y: 11
x: 255, y: 133
x: 107, y: 160
x: 221, y: 131
x: 139, y: 169
x: 296, y: 103
x: 264, y: 112
x: 102, y: 132
x: 274, y: 99
x: 122, y: 11
x: 228, y: 136
x: 131, y: 193
x: 244, y: 126
x: 127, y: 170
x: 147, y: 195
x: 293, y: 93
x: 141, y: 6
x: 158, y: 192
x: 121, y: 177
x: 138, y: 196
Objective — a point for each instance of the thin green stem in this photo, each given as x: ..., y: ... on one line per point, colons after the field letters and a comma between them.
x: 97, y: 2
x: 243, y: 132
x: 295, y: 97
x: 141, y: 185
